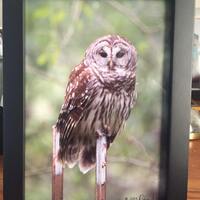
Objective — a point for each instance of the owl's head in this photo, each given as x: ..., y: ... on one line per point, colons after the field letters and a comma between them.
x: 111, y: 53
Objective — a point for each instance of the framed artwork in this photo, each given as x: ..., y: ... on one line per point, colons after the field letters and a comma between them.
x: 103, y: 72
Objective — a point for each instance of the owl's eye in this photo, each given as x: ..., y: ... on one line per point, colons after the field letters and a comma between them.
x: 120, y: 54
x: 103, y: 54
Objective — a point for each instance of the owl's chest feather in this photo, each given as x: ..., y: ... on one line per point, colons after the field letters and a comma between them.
x: 108, y: 110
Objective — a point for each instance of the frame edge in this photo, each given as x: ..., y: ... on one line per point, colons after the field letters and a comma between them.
x: 180, y: 100
x: 13, y: 124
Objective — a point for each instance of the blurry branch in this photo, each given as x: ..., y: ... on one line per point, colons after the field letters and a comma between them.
x: 135, y: 141
x: 133, y: 161
x: 105, y: 23
x: 45, y: 75
x: 75, y: 11
x: 123, y: 184
x: 38, y: 172
x: 75, y: 14
x: 113, y: 159
x: 133, y: 17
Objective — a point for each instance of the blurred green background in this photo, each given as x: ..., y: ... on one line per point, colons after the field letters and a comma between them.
x: 57, y: 34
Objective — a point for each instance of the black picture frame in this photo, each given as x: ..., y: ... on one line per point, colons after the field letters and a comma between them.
x: 176, y: 120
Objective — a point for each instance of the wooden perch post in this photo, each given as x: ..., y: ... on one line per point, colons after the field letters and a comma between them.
x: 57, y: 169
x: 101, y: 150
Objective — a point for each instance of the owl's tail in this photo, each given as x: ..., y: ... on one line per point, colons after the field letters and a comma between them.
x: 78, y: 151
x: 87, y: 158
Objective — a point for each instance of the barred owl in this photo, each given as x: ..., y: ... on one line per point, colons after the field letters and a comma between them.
x: 99, y: 97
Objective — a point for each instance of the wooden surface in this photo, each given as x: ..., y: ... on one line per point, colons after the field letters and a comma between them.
x: 1, y: 178
x: 194, y: 170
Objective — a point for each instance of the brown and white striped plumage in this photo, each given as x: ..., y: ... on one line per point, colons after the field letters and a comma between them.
x: 99, y: 98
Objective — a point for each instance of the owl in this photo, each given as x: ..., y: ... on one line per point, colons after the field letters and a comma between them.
x: 99, y: 97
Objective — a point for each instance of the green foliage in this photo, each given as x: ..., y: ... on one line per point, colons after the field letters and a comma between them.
x: 57, y: 34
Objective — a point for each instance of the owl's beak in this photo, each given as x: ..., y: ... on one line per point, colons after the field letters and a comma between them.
x: 111, y: 64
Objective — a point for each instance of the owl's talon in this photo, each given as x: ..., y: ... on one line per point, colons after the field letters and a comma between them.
x: 103, y: 164
x: 100, y: 134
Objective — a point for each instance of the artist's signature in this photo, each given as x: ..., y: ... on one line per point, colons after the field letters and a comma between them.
x: 139, y: 197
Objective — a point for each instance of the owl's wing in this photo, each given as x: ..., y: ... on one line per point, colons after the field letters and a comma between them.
x: 79, y: 94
